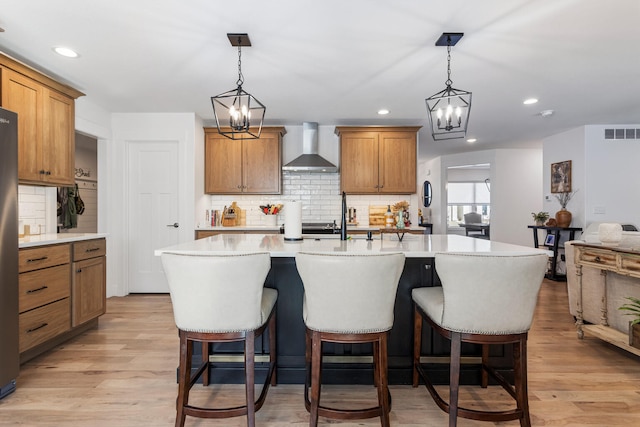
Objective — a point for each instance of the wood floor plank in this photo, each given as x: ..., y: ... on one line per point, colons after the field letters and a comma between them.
x: 123, y: 374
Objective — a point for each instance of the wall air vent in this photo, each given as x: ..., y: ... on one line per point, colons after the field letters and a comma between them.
x: 622, y: 134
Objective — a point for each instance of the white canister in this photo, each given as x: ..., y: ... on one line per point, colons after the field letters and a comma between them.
x: 610, y: 234
x: 271, y: 220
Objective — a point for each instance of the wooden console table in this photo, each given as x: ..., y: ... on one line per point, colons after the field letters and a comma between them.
x: 624, y: 261
x: 555, y: 231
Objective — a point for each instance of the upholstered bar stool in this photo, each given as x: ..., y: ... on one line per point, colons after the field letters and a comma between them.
x: 221, y: 298
x: 484, y: 299
x: 348, y: 298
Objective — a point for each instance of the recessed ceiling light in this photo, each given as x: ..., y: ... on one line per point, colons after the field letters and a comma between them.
x: 471, y: 140
x: 65, y: 51
x: 530, y: 101
x: 383, y: 111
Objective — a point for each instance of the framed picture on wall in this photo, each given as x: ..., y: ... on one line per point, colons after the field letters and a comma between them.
x: 561, y: 177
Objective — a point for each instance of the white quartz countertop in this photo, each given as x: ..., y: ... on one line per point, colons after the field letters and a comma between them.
x: 361, y: 228
x: 412, y: 245
x: 53, y: 239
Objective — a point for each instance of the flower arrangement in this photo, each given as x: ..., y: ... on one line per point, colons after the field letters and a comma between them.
x: 540, y: 217
x: 404, y: 205
x: 564, y: 197
x: 271, y: 209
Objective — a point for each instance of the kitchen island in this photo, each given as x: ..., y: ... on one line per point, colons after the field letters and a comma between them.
x: 348, y: 364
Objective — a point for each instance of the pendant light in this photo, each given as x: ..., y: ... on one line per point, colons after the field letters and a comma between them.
x: 238, y: 114
x: 449, y: 109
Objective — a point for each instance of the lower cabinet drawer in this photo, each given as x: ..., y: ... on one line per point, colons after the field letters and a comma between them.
x: 39, y: 325
x: 598, y: 258
x: 41, y: 287
x: 630, y: 264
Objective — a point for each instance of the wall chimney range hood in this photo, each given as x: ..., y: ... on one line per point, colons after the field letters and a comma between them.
x: 310, y: 160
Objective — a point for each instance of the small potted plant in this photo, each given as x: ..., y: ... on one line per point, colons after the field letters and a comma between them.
x: 632, y: 308
x: 540, y: 217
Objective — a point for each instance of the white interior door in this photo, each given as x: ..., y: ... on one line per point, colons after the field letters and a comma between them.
x: 153, y: 211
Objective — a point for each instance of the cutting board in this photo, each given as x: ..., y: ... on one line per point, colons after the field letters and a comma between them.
x: 376, y: 214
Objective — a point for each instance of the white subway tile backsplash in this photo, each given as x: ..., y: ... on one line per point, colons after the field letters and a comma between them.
x: 320, y: 196
x: 32, y: 207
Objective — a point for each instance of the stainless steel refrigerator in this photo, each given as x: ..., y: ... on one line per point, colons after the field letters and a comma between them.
x: 9, y: 356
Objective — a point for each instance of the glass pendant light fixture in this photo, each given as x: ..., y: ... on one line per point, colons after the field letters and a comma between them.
x: 238, y: 114
x: 449, y: 109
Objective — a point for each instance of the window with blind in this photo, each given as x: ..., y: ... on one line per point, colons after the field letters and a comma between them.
x: 465, y: 197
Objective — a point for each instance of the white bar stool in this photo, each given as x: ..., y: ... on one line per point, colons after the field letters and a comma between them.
x: 348, y: 298
x: 221, y: 298
x: 484, y: 299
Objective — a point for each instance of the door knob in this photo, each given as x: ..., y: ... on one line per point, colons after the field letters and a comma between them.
x: 174, y: 225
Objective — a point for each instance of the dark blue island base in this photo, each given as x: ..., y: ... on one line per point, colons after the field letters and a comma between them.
x: 350, y: 364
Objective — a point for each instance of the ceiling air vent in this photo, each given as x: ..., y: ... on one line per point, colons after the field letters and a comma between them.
x: 622, y: 134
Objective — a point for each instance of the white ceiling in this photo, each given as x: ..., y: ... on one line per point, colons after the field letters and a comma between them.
x: 339, y: 61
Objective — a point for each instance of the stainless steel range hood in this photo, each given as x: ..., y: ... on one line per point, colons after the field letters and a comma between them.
x: 310, y: 160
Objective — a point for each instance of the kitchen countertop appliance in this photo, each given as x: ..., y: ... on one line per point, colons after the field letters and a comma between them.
x: 9, y: 353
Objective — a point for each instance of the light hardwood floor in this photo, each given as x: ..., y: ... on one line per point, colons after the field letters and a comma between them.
x: 123, y: 374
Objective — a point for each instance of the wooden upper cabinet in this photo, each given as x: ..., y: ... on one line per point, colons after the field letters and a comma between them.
x: 222, y: 164
x: 24, y: 97
x: 58, y: 139
x: 247, y: 166
x: 397, y: 163
x: 46, y: 123
x: 359, y: 156
x: 262, y: 164
x: 378, y: 160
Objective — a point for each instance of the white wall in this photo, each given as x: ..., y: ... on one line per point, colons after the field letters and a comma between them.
x: 564, y: 146
x: 430, y: 170
x: 142, y: 127
x: 516, y: 190
x: 112, y: 132
x: 612, y: 177
x: 602, y: 172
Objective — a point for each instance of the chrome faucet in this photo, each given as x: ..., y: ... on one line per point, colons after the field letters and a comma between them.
x: 343, y: 228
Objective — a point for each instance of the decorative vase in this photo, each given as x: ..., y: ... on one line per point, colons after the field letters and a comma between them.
x: 563, y: 218
x: 634, y: 335
x: 610, y: 234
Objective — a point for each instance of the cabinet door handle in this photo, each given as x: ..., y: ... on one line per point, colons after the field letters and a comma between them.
x: 37, y: 327
x: 597, y: 259
x: 79, y: 270
x: 37, y: 259
x: 48, y: 172
x: 92, y: 249
x: 41, y: 172
x: 41, y: 288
